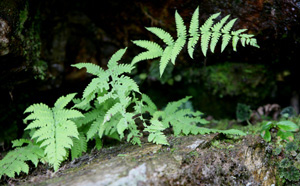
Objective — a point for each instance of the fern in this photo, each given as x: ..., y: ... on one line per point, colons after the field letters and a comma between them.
x: 155, y: 132
x: 79, y: 146
x: 184, y: 121
x: 16, y: 160
x: 54, y: 128
x: 209, y: 32
x: 194, y: 32
x: 110, y: 90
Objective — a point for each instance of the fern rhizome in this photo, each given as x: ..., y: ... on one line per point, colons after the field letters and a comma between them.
x: 112, y: 104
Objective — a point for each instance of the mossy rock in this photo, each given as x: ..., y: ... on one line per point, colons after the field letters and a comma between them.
x: 236, y: 79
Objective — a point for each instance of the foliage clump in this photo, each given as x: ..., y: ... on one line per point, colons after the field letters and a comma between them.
x: 112, y: 104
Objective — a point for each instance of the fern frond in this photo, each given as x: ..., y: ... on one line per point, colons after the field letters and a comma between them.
x: 90, y: 68
x: 228, y: 26
x: 122, y: 126
x: 95, y: 127
x: 209, y: 22
x: 205, y: 38
x: 225, y: 40
x: 216, y: 33
x: 149, y: 107
x: 105, y: 97
x: 20, y: 142
x: 63, y: 101
x: 15, y: 161
x: 154, y: 51
x: 155, y: 132
x: 232, y: 132
x: 182, y: 120
x: 96, y: 85
x: 181, y: 34
x: 173, y: 106
x: 120, y: 69
x: 79, y: 146
x: 117, y: 107
x: 163, y: 35
x: 226, y: 36
x: 236, y: 38
x: 164, y: 60
x: 194, y: 32
x: 206, y: 33
x: 115, y: 58
x: 129, y: 83
x: 57, y: 131
x: 42, y: 112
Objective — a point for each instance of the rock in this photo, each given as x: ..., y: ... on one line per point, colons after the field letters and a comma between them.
x: 190, y: 160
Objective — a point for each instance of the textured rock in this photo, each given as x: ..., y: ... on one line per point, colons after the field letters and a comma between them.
x: 191, y: 160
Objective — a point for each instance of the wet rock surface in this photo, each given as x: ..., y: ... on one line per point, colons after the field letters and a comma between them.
x: 190, y: 160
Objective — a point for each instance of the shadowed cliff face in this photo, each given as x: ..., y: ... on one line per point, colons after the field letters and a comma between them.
x: 39, y: 40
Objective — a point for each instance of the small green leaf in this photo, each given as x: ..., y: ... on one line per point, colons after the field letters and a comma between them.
x: 288, y: 126
x: 266, y: 135
x: 285, y: 135
x: 267, y: 125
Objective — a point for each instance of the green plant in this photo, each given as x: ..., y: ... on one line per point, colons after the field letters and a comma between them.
x: 54, y: 128
x: 209, y: 32
x: 15, y: 160
x: 112, y: 104
x: 284, y: 130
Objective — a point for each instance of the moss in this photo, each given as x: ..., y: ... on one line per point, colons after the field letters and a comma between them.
x: 236, y: 79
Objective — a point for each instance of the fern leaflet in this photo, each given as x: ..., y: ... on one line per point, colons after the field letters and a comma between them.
x: 79, y: 146
x: 55, y: 128
x: 154, y: 51
x: 181, y: 34
x: 194, y: 32
x: 155, y: 132
x: 15, y: 160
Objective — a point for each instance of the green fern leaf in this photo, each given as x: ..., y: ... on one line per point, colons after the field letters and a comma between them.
x: 209, y: 22
x: 194, y: 32
x: 15, y: 161
x: 90, y: 68
x: 225, y: 40
x: 42, y: 112
x: 105, y: 97
x: 163, y: 35
x: 54, y: 129
x: 205, y: 38
x: 216, y: 33
x: 154, y: 51
x: 112, y: 63
x: 20, y: 142
x: 95, y: 127
x: 232, y: 132
x: 228, y: 26
x: 79, y: 146
x: 206, y: 32
x: 149, y: 107
x: 63, y: 101
x: 172, y: 107
x: 121, y: 127
x: 181, y: 34
x: 236, y: 37
x: 120, y: 69
x: 131, y: 85
x: 165, y: 59
x: 155, y: 132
